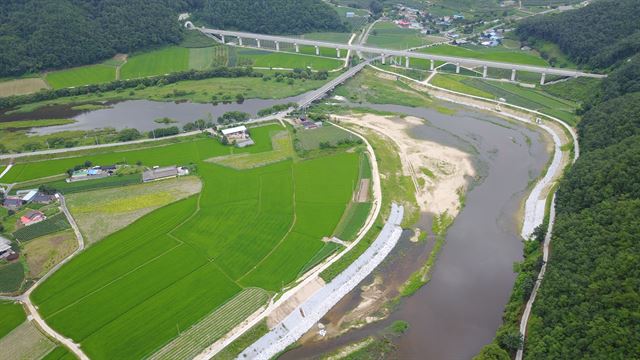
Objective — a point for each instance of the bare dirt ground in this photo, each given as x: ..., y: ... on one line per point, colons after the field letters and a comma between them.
x: 450, y: 166
x: 25, y: 342
x: 21, y: 86
x: 293, y: 302
x: 363, y: 191
x: 102, y: 212
x: 45, y: 252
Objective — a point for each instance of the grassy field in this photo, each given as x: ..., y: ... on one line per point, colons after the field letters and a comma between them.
x: 282, y: 150
x: 271, y: 59
x: 158, y: 62
x: 45, y: 252
x: 21, y: 86
x: 80, y: 76
x: 534, y: 99
x: 100, y: 213
x: 311, y: 139
x: 200, y: 91
x: 59, y: 353
x: 207, y: 57
x: 389, y: 36
x: 28, y: 124
x: 25, y: 342
x: 499, y: 54
x: 370, y: 86
x: 12, y: 315
x: 174, y: 266
x: 353, y: 220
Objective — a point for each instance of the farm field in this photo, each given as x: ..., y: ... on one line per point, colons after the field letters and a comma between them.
x: 158, y: 62
x: 389, y: 36
x: 486, y: 53
x: 11, y: 277
x: 99, y: 213
x: 80, y: 76
x: 207, y: 57
x: 21, y: 86
x: 12, y: 315
x: 270, y: 226
x: 271, y: 59
x: 80, y: 186
x: 51, y: 225
x: 311, y: 139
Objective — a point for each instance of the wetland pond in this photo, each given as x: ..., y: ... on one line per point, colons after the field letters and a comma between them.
x: 459, y: 309
x: 138, y: 114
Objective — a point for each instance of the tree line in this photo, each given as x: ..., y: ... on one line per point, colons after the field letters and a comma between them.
x: 597, y: 36
x: 37, y: 35
x: 269, y: 16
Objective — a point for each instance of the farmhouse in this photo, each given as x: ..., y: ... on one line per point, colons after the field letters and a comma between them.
x: 12, y: 203
x: 28, y: 196
x: 32, y: 217
x: 5, y: 248
x: 238, y: 135
x: 41, y: 198
x: 161, y: 173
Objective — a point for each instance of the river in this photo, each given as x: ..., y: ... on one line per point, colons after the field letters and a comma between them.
x: 459, y: 310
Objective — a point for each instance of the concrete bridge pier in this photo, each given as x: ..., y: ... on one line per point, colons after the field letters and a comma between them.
x: 457, y: 68
x: 297, y: 47
x: 277, y: 45
x: 406, y: 58
x: 384, y: 59
x: 432, y: 65
x: 513, y: 75
x: 239, y: 41
x: 317, y: 50
x: 258, y: 42
x: 542, y: 78
x: 222, y: 38
x: 338, y: 52
x: 484, y: 71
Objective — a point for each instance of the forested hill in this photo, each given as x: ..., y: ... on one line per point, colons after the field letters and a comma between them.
x: 598, y: 36
x: 588, y: 306
x: 270, y: 16
x: 44, y: 34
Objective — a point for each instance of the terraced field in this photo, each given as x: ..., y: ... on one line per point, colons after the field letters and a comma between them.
x: 171, y: 269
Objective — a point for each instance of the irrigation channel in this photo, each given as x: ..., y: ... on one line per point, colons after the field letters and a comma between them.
x: 459, y: 310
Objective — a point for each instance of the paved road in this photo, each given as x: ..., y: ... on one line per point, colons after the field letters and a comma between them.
x: 31, y: 308
x: 389, y: 52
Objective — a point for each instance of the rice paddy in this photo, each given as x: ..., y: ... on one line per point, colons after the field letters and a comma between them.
x: 158, y: 62
x: 171, y: 269
x: 79, y: 76
x: 389, y: 36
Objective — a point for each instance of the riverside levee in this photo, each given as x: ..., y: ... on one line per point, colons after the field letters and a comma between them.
x: 458, y: 311
x: 302, y: 318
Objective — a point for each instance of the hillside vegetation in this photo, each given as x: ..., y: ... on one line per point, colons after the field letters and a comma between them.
x: 597, y: 36
x: 270, y: 16
x: 588, y: 304
x: 65, y: 33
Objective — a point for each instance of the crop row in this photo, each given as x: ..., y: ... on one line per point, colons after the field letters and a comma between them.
x: 53, y: 224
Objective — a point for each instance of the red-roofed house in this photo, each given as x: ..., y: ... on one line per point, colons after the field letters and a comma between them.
x: 32, y: 217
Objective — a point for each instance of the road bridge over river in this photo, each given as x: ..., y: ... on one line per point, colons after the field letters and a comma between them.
x: 223, y: 35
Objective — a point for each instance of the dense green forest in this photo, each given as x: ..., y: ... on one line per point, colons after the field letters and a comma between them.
x: 588, y: 306
x: 270, y: 16
x: 45, y: 34
x: 598, y: 36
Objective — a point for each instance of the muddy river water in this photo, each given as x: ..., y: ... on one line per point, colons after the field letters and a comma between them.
x: 459, y: 310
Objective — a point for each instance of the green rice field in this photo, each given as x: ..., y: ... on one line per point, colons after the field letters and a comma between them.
x: 158, y: 62
x: 171, y: 269
x: 12, y: 315
x: 389, y: 36
x: 80, y: 76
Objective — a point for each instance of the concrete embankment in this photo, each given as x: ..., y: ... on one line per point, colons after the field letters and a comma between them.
x: 302, y: 318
